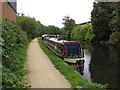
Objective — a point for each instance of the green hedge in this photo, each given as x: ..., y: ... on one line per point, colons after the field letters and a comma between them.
x: 14, y: 78
x: 70, y: 73
x: 14, y: 49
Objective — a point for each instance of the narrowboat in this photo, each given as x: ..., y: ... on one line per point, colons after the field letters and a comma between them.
x: 70, y: 51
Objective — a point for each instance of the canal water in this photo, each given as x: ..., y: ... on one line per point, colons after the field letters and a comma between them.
x: 102, y: 65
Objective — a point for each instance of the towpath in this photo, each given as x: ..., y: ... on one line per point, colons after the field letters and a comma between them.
x: 42, y: 73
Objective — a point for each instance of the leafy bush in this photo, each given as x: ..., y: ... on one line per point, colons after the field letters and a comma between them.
x: 11, y: 80
x: 14, y: 78
x: 14, y: 50
x: 83, y: 33
x: 14, y: 38
x: 1, y: 40
x: 0, y: 75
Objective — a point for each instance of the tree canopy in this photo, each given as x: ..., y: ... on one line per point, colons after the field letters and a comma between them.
x: 106, y: 21
x: 29, y: 25
x: 83, y: 33
x: 35, y: 28
x: 69, y: 24
x: 101, y: 16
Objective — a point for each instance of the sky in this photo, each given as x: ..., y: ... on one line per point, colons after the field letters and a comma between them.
x: 51, y: 12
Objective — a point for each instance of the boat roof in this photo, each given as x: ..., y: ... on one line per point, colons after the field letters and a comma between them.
x: 59, y: 40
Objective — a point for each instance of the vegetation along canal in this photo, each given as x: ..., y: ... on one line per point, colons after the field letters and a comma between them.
x: 102, y: 65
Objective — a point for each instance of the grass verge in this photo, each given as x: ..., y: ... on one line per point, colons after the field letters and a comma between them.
x: 70, y: 73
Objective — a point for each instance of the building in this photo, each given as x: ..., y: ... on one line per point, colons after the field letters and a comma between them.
x: 84, y: 23
x: 8, y: 9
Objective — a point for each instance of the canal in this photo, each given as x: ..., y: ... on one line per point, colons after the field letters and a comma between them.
x: 102, y: 65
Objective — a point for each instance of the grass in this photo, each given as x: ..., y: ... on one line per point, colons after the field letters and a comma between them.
x: 69, y: 73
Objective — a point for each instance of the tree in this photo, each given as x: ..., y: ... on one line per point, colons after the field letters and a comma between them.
x: 115, y: 22
x: 29, y: 25
x: 69, y: 24
x: 83, y: 33
x: 115, y: 26
x: 101, y: 16
x: 53, y: 30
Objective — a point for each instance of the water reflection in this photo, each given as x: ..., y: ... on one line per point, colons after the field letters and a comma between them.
x: 86, y: 65
x: 101, y: 65
x: 80, y: 66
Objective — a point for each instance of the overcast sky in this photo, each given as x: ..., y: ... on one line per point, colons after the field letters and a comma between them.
x: 51, y: 12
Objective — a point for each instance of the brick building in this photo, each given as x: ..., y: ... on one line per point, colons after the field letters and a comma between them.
x: 8, y: 9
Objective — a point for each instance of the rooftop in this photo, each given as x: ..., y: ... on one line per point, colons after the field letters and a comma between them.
x: 13, y: 4
x: 84, y: 23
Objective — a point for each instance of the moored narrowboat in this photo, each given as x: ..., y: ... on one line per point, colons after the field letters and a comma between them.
x: 70, y: 51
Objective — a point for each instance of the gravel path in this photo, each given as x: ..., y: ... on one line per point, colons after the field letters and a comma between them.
x: 42, y: 73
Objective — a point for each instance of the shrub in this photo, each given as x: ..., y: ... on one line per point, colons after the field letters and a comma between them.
x: 14, y: 50
x: 14, y: 38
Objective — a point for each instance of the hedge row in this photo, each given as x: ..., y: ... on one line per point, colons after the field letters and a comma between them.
x: 14, y: 49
